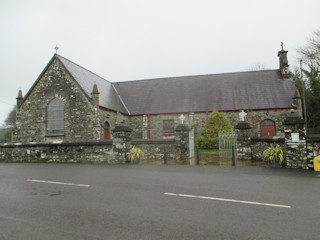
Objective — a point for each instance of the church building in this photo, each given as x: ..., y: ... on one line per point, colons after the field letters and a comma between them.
x: 68, y: 103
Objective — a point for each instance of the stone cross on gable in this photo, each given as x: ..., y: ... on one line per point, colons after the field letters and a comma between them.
x: 182, y: 118
x: 242, y: 115
x: 56, y: 48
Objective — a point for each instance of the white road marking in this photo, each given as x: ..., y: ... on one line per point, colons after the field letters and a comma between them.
x: 60, y: 183
x: 228, y: 200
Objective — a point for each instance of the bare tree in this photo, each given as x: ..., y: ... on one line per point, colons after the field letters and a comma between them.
x: 257, y: 67
x: 11, y: 119
x: 310, y: 53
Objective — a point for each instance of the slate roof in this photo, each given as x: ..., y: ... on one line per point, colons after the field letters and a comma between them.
x: 86, y: 79
x: 228, y: 91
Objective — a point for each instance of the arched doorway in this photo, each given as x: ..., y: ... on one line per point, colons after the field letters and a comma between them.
x: 106, y: 131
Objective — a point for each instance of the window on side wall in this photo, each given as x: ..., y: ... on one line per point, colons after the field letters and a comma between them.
x: 268, y: 128
x: 168, y: 127
x: 55, y: 117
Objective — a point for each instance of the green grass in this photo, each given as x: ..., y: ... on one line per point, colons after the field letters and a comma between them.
x: 207, y: 150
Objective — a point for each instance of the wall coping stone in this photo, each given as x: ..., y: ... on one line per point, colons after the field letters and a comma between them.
x: 268, y: 139
x: 97, y: 143
x: 122, y: 128
x: 313, y: 137
x: 243, y: 125
x: 182, y: 128
x: 152, y: 141
x: 293, y: 121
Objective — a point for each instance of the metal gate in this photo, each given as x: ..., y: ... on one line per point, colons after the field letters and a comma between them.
x: 228, y: 148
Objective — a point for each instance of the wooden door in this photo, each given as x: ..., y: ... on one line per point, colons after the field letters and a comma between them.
x: 106, y: 133
x: 268, y: 130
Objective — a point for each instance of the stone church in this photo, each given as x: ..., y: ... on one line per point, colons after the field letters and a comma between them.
x: 71, y: 114
x: 68, y: 103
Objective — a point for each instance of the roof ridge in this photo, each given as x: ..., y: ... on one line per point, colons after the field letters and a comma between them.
x: 201, y: 75
x: 82, y: 67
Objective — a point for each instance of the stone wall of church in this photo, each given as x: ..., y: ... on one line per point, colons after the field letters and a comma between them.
x: 80, y: 120
x: 140, y: 126
x: 108, y: 117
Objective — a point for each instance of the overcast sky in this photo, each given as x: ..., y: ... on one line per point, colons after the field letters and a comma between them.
x: 141, y: 39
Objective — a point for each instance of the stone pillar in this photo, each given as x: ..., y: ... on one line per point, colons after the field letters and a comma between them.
x: 95, y: 95
x: 145, y: 127
x: 243, y: 130
x: 121, y: 142
x: 295, y: 140
x: 19, y: 99
x: 182, y: 142
x: 18, y: 117
x: 96, y: 121
x: 19, y: 103
x: 283, y: 62
x: 191, y: 147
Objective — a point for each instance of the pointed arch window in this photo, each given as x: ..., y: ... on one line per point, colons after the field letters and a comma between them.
x: 55, y: 117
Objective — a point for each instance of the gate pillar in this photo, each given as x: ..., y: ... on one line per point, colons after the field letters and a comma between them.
x: 243, y: 140
x: 121, y: 142
x: 182, y: 139
x: 295, y: 140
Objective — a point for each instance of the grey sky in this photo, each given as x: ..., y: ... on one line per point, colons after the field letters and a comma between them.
x: 141, y: 39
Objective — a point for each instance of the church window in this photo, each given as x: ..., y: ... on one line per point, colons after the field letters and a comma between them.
x: 168, y: 127
x: 55, y: 117
x: 106, y: 131
x: 268, y: 128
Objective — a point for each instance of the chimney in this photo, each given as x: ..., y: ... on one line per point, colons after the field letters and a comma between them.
x: 95, y: 95
x: 283, y: 62
x: 19, y: 99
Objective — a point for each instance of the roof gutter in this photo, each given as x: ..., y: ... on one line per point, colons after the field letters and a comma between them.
x: 231, y: 110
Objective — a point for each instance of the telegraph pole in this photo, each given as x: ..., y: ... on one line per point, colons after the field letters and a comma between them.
x: 303, y: 95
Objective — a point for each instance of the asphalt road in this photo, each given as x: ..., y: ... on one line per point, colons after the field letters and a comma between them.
x: 64, y: 201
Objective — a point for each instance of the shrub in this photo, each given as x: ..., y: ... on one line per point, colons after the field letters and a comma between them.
x: 209, y: 135
x: 273, y: 154
x: 135, y: 155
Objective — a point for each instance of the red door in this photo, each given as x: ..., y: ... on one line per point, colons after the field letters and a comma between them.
x: 268, y: 130
x: 106, y: 133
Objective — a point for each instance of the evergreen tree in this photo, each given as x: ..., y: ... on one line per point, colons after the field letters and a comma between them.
x: 310, y: 54
x: 209, y: 135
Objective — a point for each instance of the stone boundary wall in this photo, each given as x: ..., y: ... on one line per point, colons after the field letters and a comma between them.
x: 108, y: 151
x: 259, y: 144
x: 299, y: 150
x: 313, y: 148
x: 299, y: 156
x: 75, y: 152
x: 155, y: 149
